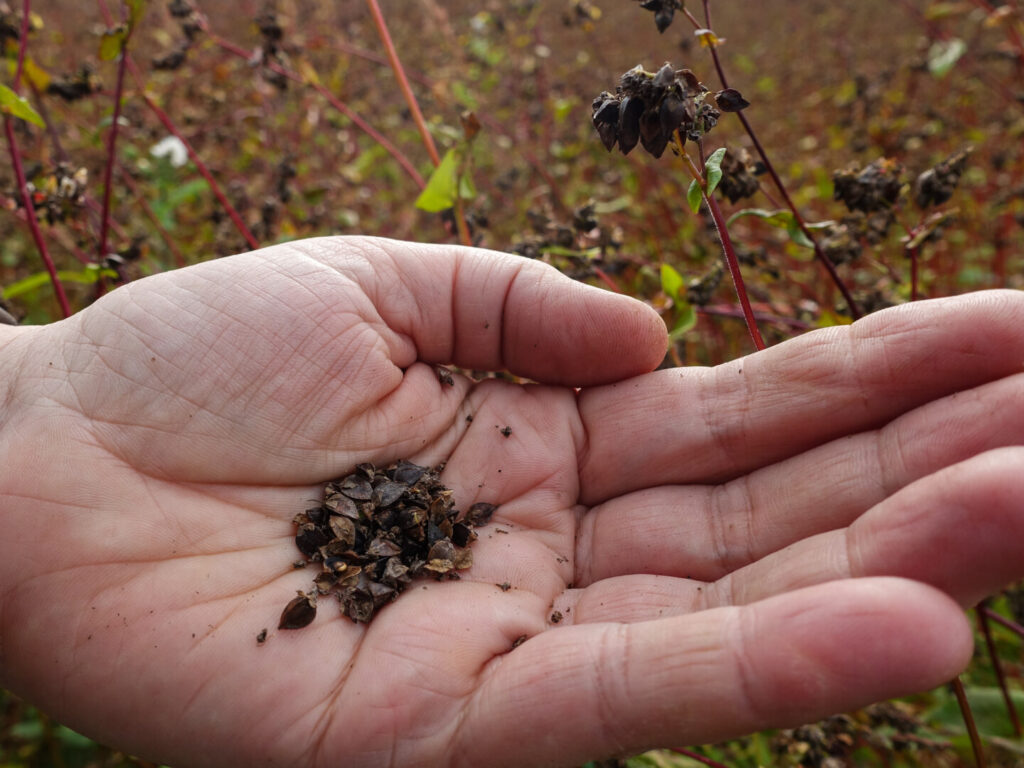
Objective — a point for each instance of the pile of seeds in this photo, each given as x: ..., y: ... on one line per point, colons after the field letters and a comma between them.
x: 376, y: 530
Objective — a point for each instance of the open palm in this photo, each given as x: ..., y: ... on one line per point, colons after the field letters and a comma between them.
x: 679, y: 545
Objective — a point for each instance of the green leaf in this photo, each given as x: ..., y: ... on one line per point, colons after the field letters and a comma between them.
x: 14, y: 105
x: 944, y: 55
x: 32, y: 283
x: 686, y: 318
x: 713, y: 169
x: 694, y: 195
x: 112, y: 42
x: 671, y: 281
x: 439, y: 194
x: 782, y: 220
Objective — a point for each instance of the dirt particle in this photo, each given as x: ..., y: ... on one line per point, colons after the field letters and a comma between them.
x: 504, y: 586
x: 518, y: 641
x: 261, y: 638
x: 506, y: 431
x: 556, y: 617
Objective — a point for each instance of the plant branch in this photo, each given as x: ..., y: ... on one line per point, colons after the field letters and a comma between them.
x: 108, y: 169
x: 19, y: 171
x: 1000, y: 619
x: 727, y: 248
x: 417, y: 114
x: 331, y: 99
x: 403, y: 82
x: 777, y: 180
x: 997, y: 666
x: 172, y: 128
x: 972, y: 728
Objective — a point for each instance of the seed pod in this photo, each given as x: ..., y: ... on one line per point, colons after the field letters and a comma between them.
x: 653, y: 139
x: 629, y: 123
x: 731, y: 100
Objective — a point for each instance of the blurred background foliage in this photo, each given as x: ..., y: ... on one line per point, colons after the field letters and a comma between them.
x: 292, y: 110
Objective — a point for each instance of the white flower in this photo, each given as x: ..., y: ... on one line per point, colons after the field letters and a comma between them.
x: 173, y: 149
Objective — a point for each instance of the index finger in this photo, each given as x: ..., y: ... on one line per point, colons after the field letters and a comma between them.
x: 710, y: 425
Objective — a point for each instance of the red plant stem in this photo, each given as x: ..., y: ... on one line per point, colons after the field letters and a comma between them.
x: 403, y: 82
x: 997, y: 666
x: 417, y: 114
x: 331, y: 99
x: 777, y: 180
x: 19, y: 171
x: 913, y: 254
x: 30, y: 217
x: 171, y: 128
x: 698, y: 757
x: 763, y: 317
x: 1000, y: 619
x: 734, y: 270
x: 108, y: 169
x: 972, y: 728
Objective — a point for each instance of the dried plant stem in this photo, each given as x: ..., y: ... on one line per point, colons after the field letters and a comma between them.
x: 417, y: 114
x: 997, y: 666
x: 777, y: 180
x: 972, y: 728
x: 19, y: 171
x: 730, y: 253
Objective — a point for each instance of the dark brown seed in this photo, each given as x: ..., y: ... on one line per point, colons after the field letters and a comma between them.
x: 299, y: 613
x: 407, y: 472
x: 357, y: 488
x: 318, y: 515
x: 388, y: 492
x: 262, y: 636
x: 731, y: 100
x: 629, y: 123
x: 341, y: 505
x: 309, y: 539
x: 653, y: 139
x: 506, y: 431
x: 480, y: 513
x: 344, y: 530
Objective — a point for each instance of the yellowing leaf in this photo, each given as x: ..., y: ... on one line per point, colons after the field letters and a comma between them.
x: 708, y: 39
x: 14, y: 105
x: 112, y: 42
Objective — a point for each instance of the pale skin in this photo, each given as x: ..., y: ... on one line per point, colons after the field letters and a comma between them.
x: 760, y: 544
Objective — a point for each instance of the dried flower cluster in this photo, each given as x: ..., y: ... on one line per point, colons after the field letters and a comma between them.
x: 375, y: 531
x: 935, y: 186
x: 650, y: 108
x: 874, y: 188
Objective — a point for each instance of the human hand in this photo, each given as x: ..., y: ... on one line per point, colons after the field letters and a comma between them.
x: 697, y: 529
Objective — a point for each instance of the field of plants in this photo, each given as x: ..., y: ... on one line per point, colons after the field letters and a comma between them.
x: 873, y: 155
